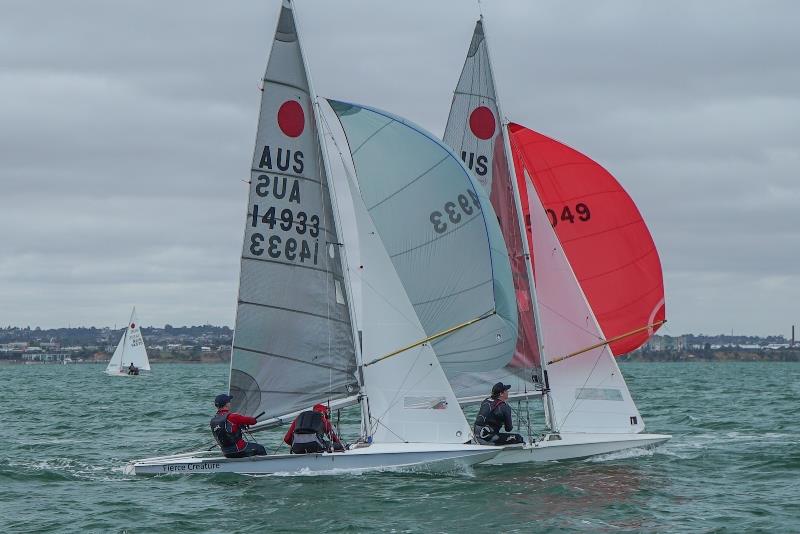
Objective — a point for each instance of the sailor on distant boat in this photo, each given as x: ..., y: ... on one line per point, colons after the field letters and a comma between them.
x: 227, y: 429
x: 132, y: 369
x: 494, y: 414
x: 307, y: 433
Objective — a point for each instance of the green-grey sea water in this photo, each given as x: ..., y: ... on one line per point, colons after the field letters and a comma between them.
x: 733, y: 464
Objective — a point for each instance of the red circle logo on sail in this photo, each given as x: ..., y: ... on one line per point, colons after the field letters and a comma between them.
x: 133, y: 325
x: 291, y: 118
x: 481, y: 122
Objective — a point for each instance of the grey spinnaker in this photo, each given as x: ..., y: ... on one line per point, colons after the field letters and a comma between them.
x: 293, y: 343
x: 425, y: 204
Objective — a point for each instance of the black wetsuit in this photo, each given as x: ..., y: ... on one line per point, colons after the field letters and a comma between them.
x: 493, y: 415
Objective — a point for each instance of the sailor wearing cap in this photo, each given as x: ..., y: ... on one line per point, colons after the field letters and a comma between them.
x: 227, y: 429
x: 493, y: 415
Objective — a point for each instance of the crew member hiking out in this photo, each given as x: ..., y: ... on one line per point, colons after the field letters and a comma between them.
x: 227, y: 429
x: 493, y: 415
x: 307, y: 432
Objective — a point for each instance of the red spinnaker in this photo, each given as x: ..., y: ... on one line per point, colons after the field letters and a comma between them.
x: 603, y: 234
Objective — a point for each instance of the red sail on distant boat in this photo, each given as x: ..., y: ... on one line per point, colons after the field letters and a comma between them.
x: 602, y: 232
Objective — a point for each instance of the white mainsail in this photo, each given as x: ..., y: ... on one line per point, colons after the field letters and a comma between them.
x: 476, y: 132
x: 130, y: 349
x: 293, y: 343
x: 587, y: 391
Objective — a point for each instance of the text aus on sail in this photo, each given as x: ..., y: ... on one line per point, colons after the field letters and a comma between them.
x: 284, y: 228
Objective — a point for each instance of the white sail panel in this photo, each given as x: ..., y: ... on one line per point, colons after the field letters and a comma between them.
x: 588, y: 391
x: 115, y: 364
x: 475, y: 132
x: 440, y: 233
x: 409, y: 397
x: 293, y: 343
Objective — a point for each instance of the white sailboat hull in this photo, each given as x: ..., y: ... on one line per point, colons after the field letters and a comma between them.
x: 425, y: 457
x: 573, y: 446
x: 124, y: 372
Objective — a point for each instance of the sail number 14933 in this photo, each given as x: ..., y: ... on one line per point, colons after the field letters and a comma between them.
x: 290, y: 248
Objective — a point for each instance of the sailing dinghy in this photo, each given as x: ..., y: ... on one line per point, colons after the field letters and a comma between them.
x: 586, y: 274
x: 130, y: 350
x: 420, y: 218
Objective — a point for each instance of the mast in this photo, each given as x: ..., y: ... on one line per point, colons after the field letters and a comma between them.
x: 546, y: 400
x: 337, y: 220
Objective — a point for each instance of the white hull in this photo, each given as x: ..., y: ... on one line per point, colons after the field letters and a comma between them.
x: 572, y: 446
x: 427, y: 457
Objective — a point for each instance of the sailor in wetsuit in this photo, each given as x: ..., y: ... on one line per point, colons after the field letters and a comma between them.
x: 307, y: 432
x: 493, y: 415
x: 227, y: 429
x: 132, y: 369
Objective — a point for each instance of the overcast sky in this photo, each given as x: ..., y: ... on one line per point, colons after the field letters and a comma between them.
x: 126, y: 128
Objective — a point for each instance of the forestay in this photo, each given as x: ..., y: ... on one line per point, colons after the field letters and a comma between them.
x: 603, y: 234
x: 441, y: 235
x: 476, y: 133
x: 293, y: 343
x: 587, y: 391
x: 130, y: 349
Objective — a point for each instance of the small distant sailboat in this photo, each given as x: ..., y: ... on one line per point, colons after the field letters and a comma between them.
x: 130, y: 356
x: 586, y: 273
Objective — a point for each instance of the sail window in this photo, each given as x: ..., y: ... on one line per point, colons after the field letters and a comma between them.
x: 607, y: 394
x: 425, y: 403
x: 339, y: 293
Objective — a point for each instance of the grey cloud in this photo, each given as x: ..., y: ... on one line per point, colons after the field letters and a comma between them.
x: 126, y: 127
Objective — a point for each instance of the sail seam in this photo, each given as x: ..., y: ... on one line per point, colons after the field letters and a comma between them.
x: 426, y: 243
x: 452, y: 294
x: 293, y: 311
x: 474, y: 94
x: 335, y: 276
x: 284, y: 84
x: 373, y: 134
x: 281, y: 356
x: 287, y: 175
x: 409, y: 184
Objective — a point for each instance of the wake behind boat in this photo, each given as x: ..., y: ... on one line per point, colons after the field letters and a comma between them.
x: 130, y: 356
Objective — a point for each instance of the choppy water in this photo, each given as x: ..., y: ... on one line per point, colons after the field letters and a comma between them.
x: 732, y: 466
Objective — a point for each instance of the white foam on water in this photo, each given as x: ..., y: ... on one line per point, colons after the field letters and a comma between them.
x: 638, y: 452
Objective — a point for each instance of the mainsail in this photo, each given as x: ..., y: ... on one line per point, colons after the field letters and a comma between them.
x: 441, y: 234
x: 587, y: 391
x: 476, y: 133
x: 603, y: 234
x: 130, y: 349
x: 293, y: 343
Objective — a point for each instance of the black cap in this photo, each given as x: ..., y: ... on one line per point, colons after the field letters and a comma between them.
x: 498, y: 388
x: 222, y: 399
